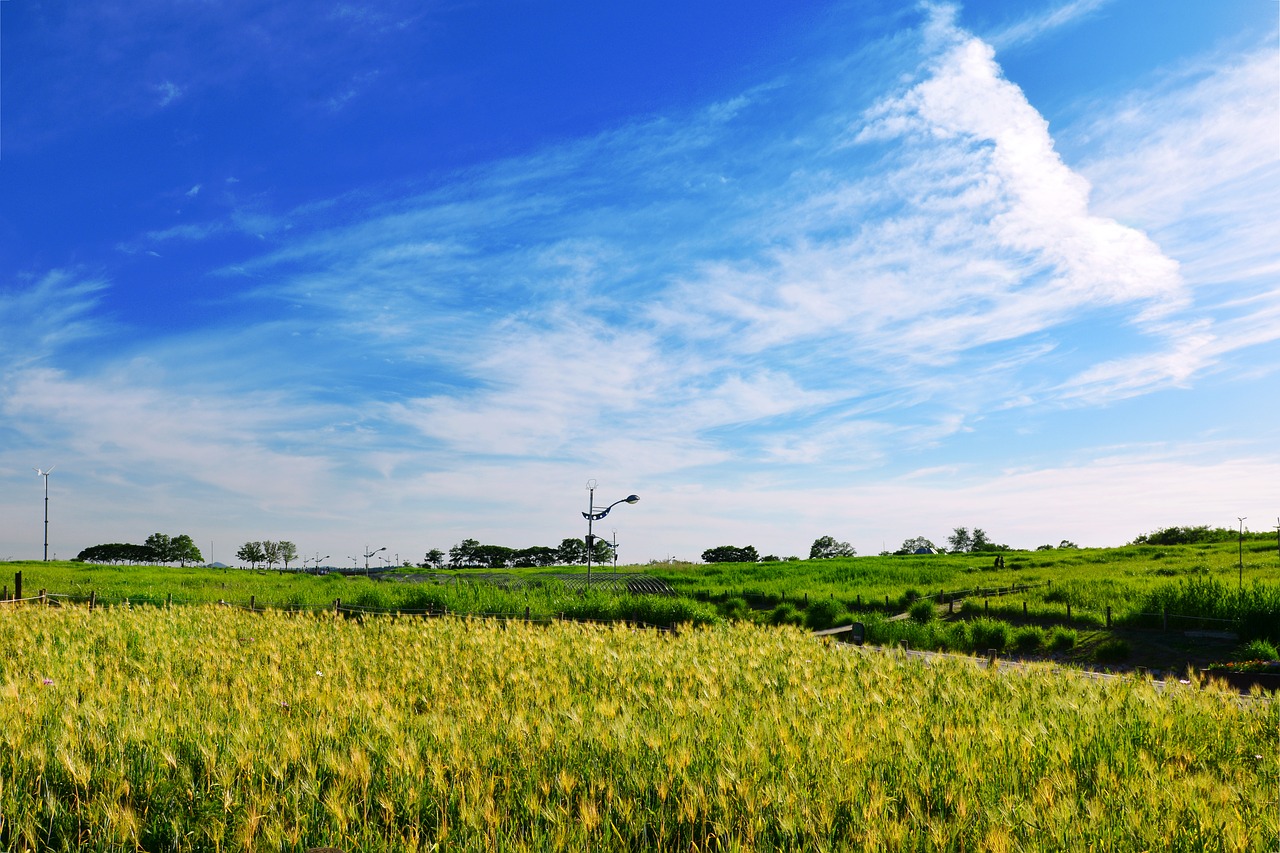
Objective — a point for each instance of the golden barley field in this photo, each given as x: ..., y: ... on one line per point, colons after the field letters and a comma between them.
x: 210, y: 728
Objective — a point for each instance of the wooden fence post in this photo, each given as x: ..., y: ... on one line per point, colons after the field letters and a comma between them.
x: 1024, y: 608
x: 17, y: 586
x: 168, y: 600
x: 1068, y: 611
x: 43, y: 600
x: 526, y: 613
x: 337, y: 603
x: 1108, y: 617
x: 253, y: 601
x: 951, y: 605
x: 1165, y: 618
x: 986, y: 607
x: 93, y: 599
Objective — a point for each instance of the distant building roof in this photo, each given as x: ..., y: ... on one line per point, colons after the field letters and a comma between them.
x: 924, y: 549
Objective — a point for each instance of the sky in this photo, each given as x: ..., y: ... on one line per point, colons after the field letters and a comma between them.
x: 397, y: 274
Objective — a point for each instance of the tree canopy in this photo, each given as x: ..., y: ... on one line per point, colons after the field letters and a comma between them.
x: 118, y: 552
x: 826, y: 547
x: 731, y: 554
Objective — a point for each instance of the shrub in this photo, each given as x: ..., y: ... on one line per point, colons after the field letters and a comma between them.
x: 1028, y: 638
x: 735, y: 608
x: 923, y: 611
x: 955, y: 637
x: 1111, y: 650
x: 1257, y: 650
x: 785, y: 614
x: 823, y: 613
x: 989, y: 634
x: 1062, y: 639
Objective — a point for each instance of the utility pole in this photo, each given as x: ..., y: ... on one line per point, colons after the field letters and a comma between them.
x: 1242, y: 518
x: 45, y: 474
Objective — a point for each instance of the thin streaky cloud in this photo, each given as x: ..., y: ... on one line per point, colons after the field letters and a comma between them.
x: 1050, y: 20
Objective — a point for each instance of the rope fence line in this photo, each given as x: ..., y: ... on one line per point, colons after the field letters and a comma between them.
x: 1223, y: 625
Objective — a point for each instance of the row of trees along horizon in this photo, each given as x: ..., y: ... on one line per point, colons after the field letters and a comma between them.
x: 470, y: 553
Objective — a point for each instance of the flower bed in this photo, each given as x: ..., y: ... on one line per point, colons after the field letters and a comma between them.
x: 1245, y: 675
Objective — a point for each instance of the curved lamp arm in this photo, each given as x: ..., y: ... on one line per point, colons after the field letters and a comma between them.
x: 629, y: 499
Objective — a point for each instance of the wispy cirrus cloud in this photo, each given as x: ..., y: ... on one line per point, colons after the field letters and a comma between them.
x: 1053, y: 18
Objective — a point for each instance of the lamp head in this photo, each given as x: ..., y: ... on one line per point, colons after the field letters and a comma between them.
x: 631, y: 499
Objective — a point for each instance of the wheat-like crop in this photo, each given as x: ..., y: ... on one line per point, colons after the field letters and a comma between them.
x: 208, y: 728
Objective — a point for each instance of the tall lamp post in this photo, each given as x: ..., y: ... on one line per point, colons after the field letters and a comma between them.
x: 369, y: 554
x: 45, y: 474
x: 592, y: 515
x: 1242, y: 518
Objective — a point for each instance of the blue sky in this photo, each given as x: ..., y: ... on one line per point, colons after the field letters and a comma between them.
x: 393, y: 274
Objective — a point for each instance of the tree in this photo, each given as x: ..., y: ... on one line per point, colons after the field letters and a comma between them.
x: 251, y: 553
x: 464, y: 554
x: 288, y: 553
x: 271, y: 552
x: 981, y: 542
x: 183, y: 550
x: 571, y: 552
x: 118, y: 552
x: 826, y: 547
x: 601, y: 550
x: 731, y: 554
x: 917, y: 545
x: 959, y: 541
x: 162, y: 545
x: 1067, y: 543
x: 494, y: 556
x: 433, y: 559
x: 536, y: 556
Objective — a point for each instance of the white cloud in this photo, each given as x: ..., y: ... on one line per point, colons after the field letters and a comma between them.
x: 1054, y: 18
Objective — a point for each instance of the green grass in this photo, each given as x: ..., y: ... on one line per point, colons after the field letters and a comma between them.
x: 154, y: 585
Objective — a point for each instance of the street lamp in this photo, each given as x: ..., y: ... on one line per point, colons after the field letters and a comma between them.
x: 45, y: 474
x: 614, y: 545
x: 1242, y: 518
x: 592, y: 516
x: 369, y: 554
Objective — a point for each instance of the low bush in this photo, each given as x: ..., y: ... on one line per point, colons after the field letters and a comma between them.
x: 1062, y: 639
x: 785, y: 614
x: 989, y: 634
x: 735, y: 608
x: 1257, y: 650
x: 923, y: 611
x: 1111, y: 650
x: 1028, y: 638
x: 823, y: 613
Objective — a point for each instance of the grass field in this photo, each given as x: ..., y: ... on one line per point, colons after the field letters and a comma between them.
x: 211, y: 728
x: 293, y: 590
x: 1060, y: 609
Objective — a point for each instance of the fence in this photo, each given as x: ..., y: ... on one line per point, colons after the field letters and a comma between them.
x: 1201, y: 625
